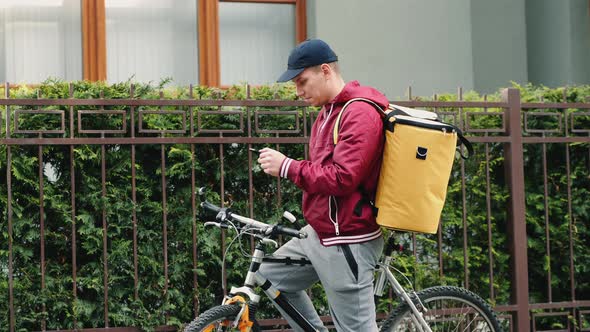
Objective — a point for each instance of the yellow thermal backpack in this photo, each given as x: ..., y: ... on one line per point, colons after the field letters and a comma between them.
x: 417, y: 160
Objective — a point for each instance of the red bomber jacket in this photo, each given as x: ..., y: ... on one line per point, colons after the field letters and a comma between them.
x: 333, y: 176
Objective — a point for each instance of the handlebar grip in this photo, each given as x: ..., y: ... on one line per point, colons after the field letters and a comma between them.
x: 211, y: 207
x: 290, y: 232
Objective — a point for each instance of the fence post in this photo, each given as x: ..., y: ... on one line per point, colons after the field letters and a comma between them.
x: 514, y: 167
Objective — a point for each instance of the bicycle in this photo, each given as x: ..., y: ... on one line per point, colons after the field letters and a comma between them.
x: 439, y: 308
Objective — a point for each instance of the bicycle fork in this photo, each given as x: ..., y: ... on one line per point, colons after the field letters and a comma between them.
x: 385, y: 274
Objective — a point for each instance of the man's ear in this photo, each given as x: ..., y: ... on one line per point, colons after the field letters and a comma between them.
x: 326, y: 70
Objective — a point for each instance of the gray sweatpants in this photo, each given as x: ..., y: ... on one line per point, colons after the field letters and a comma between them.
x: 349, y: 292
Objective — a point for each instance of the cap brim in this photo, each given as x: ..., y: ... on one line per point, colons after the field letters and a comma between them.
x: 290, y: 74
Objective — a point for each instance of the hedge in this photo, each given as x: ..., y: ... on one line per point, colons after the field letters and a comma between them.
x: 171, y: 303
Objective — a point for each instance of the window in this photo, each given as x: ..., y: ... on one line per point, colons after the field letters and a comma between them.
x: 209, y: 35
x: 152, y: 39
x: 209, y: 42
x: 254, y: 41
x: 40, y: 39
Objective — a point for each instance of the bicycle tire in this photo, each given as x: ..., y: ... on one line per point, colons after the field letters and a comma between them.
x: 212, y: 319
x: 448, y: 309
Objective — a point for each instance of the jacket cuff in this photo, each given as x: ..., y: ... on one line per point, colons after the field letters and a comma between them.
x: 284, y: 170
x: 289, y: 166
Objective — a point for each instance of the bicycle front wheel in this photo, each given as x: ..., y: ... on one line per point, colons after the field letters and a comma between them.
x: 447, y: 309
x: 218, y: 318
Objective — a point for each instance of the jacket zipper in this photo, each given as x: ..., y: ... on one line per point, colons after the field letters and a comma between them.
x: 335, y: 214
x: 326, y: 119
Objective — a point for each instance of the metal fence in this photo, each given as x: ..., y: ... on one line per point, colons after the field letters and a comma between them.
x: 513, y: 135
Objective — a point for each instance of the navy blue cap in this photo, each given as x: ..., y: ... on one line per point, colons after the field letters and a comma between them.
x: 311, y: 52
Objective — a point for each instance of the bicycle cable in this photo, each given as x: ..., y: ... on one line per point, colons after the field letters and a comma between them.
x: 411, y: 286
x: 404, y: 276
x: 239, y: 234
x: 223, y: 280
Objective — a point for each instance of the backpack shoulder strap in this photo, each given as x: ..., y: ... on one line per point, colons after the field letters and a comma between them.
x: 337, y: 124
x: 365, y: 199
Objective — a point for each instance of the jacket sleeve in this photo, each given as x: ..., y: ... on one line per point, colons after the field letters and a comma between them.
x: 359, y: 147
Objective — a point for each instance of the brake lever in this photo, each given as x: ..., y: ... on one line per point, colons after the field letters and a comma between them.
x: 222, y: 215
x: 216, y: 224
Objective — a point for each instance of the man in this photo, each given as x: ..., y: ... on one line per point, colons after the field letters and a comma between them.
x: 338, y: 182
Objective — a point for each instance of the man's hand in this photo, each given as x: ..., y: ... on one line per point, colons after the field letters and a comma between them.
x: 270, y: 160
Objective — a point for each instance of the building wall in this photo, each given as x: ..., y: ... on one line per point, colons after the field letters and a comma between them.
x: 498, y: 32
x: 437, y: 46
x: 393, y: 44
x: 580, y: 32
x: 558, y: 41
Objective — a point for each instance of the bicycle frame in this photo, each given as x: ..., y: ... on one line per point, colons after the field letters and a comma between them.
x: 254, y: 279
x: 246, y: 296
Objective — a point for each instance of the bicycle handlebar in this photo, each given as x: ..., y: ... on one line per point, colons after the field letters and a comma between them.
x: 290, y: 232
x: 208, y: 206
x: 224, y: 213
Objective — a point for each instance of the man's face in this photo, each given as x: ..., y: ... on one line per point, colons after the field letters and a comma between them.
x: 311, y: 86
